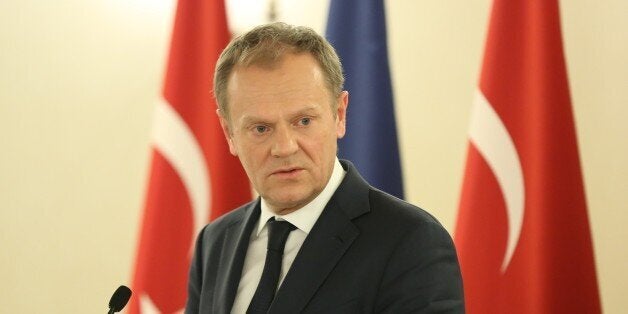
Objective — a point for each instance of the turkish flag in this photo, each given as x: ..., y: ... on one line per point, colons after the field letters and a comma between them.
x: 193, y: 178
x: 522, y: 234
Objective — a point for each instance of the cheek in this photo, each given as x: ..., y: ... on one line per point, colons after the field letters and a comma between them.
x: 252, y: 155
x: 321, y: 147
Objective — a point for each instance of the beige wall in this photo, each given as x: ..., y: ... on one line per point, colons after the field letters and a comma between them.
x: 79, y: 80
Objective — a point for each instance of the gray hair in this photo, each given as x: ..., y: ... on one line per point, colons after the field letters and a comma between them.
x: 266, y: 45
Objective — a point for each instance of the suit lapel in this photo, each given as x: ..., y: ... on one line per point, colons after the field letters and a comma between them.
x: 331, y: 236
x: 234, y: 248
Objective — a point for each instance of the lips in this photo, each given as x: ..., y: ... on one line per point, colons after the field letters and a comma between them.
x: 288, y: 172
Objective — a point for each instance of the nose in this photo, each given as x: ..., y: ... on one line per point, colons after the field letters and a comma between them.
x: 284, y: 142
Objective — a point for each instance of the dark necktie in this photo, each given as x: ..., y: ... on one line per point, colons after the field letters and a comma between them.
x: 278, y: 232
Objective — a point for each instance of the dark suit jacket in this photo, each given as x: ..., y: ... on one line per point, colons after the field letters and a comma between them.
x: 369, y: 252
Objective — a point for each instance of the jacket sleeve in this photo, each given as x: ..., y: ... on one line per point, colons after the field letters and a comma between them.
x: 422, y: 275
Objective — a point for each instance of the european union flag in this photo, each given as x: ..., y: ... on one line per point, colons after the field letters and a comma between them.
x: 357, y: 29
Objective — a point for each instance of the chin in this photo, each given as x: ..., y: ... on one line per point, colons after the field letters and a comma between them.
x: 291, y: 200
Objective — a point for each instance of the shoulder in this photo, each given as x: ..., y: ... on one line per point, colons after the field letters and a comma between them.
x: 217, y: 228
x: 360, y: 200
x: 400, y: 214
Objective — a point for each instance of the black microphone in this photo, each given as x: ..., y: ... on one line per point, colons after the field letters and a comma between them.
x: 119, y: 299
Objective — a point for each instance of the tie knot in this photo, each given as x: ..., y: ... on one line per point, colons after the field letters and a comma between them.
x: 278, y: 231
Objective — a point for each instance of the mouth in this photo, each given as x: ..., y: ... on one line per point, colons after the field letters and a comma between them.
x: 287, y: 173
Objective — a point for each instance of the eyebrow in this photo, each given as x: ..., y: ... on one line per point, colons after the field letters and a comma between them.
x: 247, y: 120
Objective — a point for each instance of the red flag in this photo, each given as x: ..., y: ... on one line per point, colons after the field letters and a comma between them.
x: 193, y: 178
x: 523, y: 235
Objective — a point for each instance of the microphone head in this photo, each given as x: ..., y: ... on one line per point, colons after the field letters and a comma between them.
x: 120, y: 298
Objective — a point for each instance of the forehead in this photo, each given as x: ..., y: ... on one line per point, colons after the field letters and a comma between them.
x: 296, y: 80
x: 290, y: 68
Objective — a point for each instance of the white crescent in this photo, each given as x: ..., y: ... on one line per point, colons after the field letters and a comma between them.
x: 491, y: 138
x: 176, y: 142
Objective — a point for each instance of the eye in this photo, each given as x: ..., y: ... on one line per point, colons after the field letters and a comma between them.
x: 305, y: 121
x: 260, y: 129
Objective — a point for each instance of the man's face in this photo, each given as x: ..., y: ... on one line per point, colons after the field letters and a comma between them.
x: 282, y: 127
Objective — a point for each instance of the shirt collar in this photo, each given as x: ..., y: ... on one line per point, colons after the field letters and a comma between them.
x: 305, y: 217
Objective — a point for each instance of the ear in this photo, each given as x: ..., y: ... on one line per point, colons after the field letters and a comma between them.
x: 341, y: 113
x: 227, y: 132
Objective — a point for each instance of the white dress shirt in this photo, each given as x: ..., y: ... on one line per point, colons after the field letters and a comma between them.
x: 303, y: 219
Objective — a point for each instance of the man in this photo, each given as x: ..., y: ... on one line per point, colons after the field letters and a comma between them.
x: 350, y: 248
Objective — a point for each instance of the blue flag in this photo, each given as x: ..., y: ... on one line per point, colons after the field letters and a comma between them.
x: 357, y: 29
